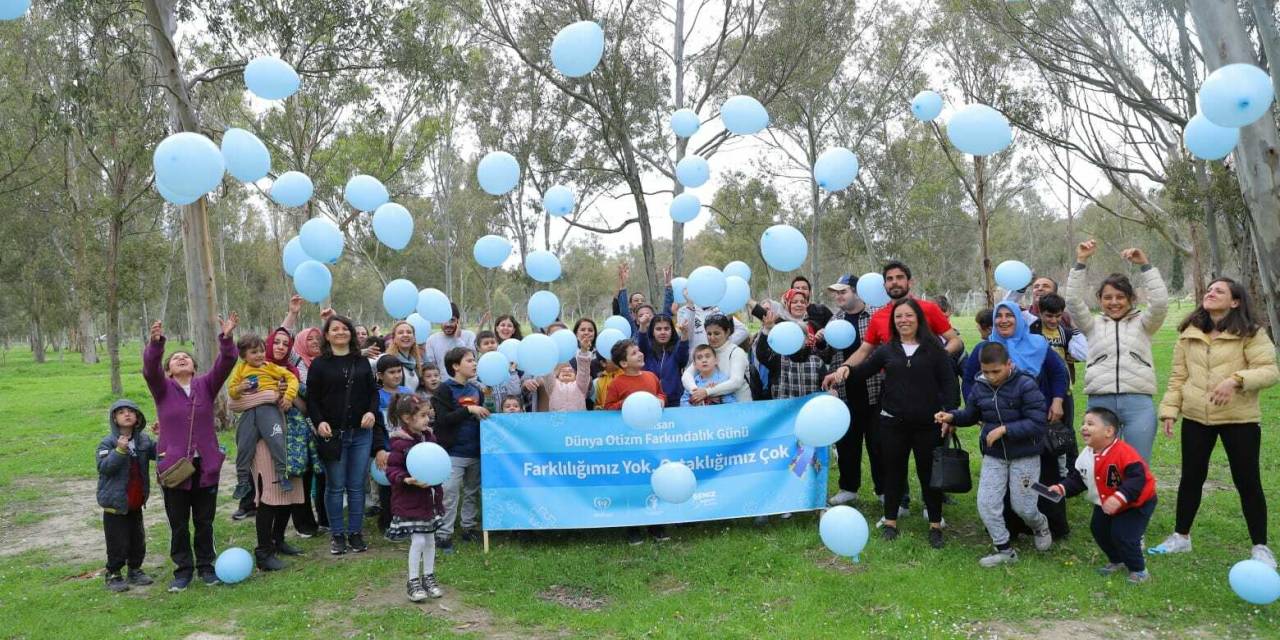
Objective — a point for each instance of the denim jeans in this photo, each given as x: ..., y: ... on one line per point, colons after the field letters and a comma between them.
x: 1137, y: 412
x: 346, y: 476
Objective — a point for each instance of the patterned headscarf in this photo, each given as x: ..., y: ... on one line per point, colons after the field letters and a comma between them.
x: 300, y: 345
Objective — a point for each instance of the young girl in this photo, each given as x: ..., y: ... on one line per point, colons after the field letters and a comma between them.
x: 417, y: 509
x: 666, y: 354
x: 566, y: 388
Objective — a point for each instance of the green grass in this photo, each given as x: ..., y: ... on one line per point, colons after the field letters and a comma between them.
x: 725, y: 579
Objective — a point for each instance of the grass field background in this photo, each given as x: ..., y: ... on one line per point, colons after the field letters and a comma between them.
x: 722, y: 579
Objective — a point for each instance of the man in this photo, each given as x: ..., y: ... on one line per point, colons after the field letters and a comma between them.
x: 863, y: 398
x: 450, y: 336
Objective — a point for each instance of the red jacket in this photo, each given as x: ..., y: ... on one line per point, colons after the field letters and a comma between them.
x: 1118, y: 470
x: 409, y: 502
x: 625, y: 385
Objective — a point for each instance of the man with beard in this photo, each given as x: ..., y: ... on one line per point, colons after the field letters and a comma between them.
x: 450, y: 336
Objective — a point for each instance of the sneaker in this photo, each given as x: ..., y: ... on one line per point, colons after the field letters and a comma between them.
x: 1001, y: 556
x: 241, y: 514
x: 1262, y: 553
x: 338, y: 545
x: 842, y: 497
x: 139, y: 579
x: 431, y: 586
x: 1044, y: 539
x: 1139, y: 577
x: 415, y: 591
x: 210, y: 579
x: 942, y: 522
x: 785, y: 516
x: 286, y: 485
x: 444, y: 545
x: 356, y: 543
x: 1175, y: 543
x: 634, y: 537
x: 372, y: 510
x: 760, y: 521
x: 179, y: 584
x: 242, y: 489
x: 116, y: 583
x: 307, y: 534
x: 880, y: 522
x: 285, y: 549
x: 659, y: 533
x: 935, y: 538
x: 269, y: 562
x: 889, y: 533
x: 1110, y: 568
x: 470, y: 535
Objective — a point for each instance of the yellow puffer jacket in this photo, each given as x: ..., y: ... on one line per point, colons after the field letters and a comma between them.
x: 1200, y: 363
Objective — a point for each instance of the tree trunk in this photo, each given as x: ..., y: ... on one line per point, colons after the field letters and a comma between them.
x: 113, y: 299
x: 1223, y: 40
x: 682, y: 144
x: 984, y: 229
x: 87, y: 338
x: 37, y: 338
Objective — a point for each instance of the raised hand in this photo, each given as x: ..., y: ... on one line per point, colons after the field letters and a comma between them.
x: 157, y: 331
x: 295, y: 304
x: 230, y: 323
x: 1135, y: 255
x: 1085, y: 250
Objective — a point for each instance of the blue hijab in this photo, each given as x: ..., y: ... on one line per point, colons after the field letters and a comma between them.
x: 1026, y: 349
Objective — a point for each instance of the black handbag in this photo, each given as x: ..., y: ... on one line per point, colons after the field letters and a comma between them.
x: 1060, y: 439
x: 951, y: 468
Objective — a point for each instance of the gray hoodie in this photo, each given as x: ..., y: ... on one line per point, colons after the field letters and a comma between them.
x: 113, y: 466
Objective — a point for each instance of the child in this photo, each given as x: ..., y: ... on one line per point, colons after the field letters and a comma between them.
x: 495, y: 396
x: 264, y: 421
x: 985, y: 319
x: 428, y: 381
x: 600, y: 385
x: 706, y: 375
x: 633, y: 378
x: 124, y: 483
x: 416, y: 508
x: 390, y: 379
x: 459, y: 408
x: 512, y: 404
x: 567, y: 389
x: 1012, y: 411
x: 1121, y: 487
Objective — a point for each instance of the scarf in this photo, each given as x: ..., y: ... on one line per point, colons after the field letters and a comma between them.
x: 1027, y: 350
x: 300, y: 345
x: 810, y: 333
x: 284, y: 362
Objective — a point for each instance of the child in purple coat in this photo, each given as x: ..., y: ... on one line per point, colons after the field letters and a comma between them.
x: 417, y: 509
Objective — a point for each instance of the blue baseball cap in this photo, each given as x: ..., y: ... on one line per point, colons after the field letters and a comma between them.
x: 846, y: 281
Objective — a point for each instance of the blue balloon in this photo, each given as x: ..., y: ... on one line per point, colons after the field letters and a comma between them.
x: 620, y: 323
x: 538, y: 354
x: 433, y: 305
x: 685, y: 123
x: 271, y: 78
x: 421, y: 328
x: 294, y: 255
x: 673, y: 482
x: 786, y: 338
x: 559, y: 201
x: 835, y: 169
x: 685, y: 207
x: 605, y: 342
x: 544, y: 308
x: 493, y: 369
x: 1254, y: 582
x: 188, y: 164
x: 175, y: 198
x: 14, y: 9
x: 428, y: 463
x: 1207, y: 141
x: 840, y: 334
x: 577, y: 48
x: 641, y: 410
x: 542, y: 266
x: 393, y: 225
x: 498, y: 173
x: 379, y: 476
x: 567, y: 343
x: 365, y: 193
x: 693, y: 171
x: 1013, y: 275
x: 844, y: 530
x: 926, y: 105
x: 233, y: 565
x: 1236, y: 95
x: 491, y: 251
x: 245, y: 156
x: 871, y: 289
x: 822, y: 420
x: 678, y: 286
x: 744, y: 115
x: 784, y: 248
x: 738, y: 268
x: 400, y: 298
x: 706, y: 286
x: 979, y: 130
x: 736, y: 294
x: 511, y: 349
x: 291, y: 189
x: 313, y: 281
x: 321, y: 240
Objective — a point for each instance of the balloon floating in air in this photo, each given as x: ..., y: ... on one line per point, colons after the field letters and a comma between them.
x: 744, y: 115
x: 188, y: 164
x: 498, y: 173
x: 271, y: 78
x: 784, y: 248
x: 393, y: 225
x: 558, y: 201
x: 365, y: 193
x: 685, y: 207
x: 926, y: 105
x: 491, y: 251
x: 1207, y: 141
x: 544, y: 308
x: 247, y: 159
x: 1013, y: 275
x: 1236, y: 95
x: 835, y: 169
x: 313, y: 281
x: 979, y: 130
x: 871, y: 289
x: 576, y: 50
x: 400, y: 298
x: 321, y: 240
x: 685, y: 123
x: 542, y: 266
x: 693, y: 171
x: 292, y: 189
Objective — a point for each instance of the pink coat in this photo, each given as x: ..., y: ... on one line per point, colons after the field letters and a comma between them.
x: 174, y: 411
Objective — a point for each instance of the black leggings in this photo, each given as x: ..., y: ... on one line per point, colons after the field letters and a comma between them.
x: 271, y: 522
x: 898, y: 441
x: 1241, y: 441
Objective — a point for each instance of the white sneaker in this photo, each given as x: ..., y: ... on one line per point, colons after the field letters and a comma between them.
x: 1008, y: 556
x: 942, y: 522
x: 1175, y: 543
x: 1044, y: 539
x: 880, y: 523
x: 1262, y: 553
x: 842, y: 497
x: 785, y: 516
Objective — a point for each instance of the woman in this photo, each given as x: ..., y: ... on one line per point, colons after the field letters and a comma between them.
x: 919, y: 382
x: 306, y: 348
x: 507, y: 328
x: 184, y: 409
x: 403, y: 344
x: 666, y: 354
x: 733, y: 362
x: 299, y: 444
x: 800, y: 373
x: 1222, y: 360
x: 585, y: 330
x: 342, y: 399
x: 1119, y: 374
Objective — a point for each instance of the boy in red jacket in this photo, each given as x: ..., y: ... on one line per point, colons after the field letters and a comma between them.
x: 634, y: 378
x: 1121, y: 486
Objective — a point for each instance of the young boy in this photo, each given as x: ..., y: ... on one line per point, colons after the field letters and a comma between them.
x: 390, y: 382
x: 985, y: 319
x: 429, y: 380
x: 124, y: 483
x: 1121, y: 487
x: 459, y: 408
x: 1012, y: 410
x: 487, y: 341
x: 1071, y: 345
x: 263, y: 421
x: 706, y: 375
x: 628, y: 357
x: 511, y: 404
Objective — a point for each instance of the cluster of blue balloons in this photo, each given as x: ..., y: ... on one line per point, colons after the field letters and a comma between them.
x: 1013, y: 275
x: 673, y: 482
x: 784, y: 248
x: 428, y: 463
x: 233, y: 565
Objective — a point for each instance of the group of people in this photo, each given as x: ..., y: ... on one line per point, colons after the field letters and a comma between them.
x: 319, y: 408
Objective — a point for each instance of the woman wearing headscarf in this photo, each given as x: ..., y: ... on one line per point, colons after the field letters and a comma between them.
x: 800, y: 373
x: 306, y: 347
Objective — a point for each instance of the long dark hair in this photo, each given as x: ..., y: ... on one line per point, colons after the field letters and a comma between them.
x: 669, y: 345
x: 325, y: 349
x: 578, y: 325
x: 518, y: 335
x: 1239, y: 321
x: 924, y: 335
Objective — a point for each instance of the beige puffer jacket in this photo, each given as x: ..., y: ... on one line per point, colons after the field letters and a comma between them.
x: 1201, y: 363
x: 1120, y: 359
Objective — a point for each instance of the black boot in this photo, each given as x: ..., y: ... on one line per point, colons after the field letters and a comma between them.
x: 267, y: 560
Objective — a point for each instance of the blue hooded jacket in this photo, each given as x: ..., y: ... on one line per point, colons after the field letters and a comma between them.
x: 113, y: 466
x: 1017, y: 404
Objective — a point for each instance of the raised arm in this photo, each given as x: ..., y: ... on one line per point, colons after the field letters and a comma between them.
x: 152, y: 370
x: 1077, y: 283
x: 226, y: 354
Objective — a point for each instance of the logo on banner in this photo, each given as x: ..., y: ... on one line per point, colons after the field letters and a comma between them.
x: 602, y: 503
